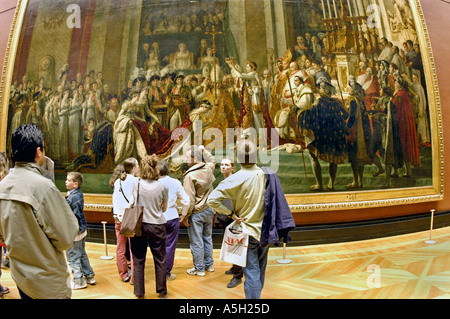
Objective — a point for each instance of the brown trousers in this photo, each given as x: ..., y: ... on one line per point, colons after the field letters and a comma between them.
x: 154, y: 236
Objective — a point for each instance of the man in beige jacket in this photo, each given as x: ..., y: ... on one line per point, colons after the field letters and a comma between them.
x: 198, y: 184
x: 36, y: 223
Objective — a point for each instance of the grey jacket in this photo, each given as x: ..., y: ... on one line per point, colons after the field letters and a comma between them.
x: 198, y: 183
x: 37, y: 226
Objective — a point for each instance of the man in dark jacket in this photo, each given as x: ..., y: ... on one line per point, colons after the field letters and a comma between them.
x: 278, y: 220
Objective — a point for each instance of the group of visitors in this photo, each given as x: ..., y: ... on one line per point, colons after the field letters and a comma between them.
x: 51, y: 226
x: 243, y: 194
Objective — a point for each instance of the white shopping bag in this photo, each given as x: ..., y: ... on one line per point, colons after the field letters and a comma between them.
x: 235, y: 244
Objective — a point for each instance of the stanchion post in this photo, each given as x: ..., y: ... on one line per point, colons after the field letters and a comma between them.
x: 105, y: 257
x: 284, y: 260
x: 430, y: 241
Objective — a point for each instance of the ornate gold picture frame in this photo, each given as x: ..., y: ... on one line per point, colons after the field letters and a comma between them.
x: 343, y: 49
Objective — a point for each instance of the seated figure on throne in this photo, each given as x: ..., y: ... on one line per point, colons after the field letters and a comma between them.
x: 183, y: 58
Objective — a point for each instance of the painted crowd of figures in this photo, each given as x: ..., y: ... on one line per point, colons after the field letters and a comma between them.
x: 192, y: 17
x: 381, y: 114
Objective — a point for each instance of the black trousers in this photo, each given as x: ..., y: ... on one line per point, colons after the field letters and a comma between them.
x: 154, y: 236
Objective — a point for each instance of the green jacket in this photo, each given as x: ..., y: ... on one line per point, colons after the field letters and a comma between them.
x: 37, y: 226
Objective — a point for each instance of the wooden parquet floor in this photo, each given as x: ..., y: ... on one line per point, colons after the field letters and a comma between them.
x: 400, y: 267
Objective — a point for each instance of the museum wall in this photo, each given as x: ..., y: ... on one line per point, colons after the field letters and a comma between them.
x: 436, y: 15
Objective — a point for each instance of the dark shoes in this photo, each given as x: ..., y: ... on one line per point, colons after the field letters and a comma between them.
x: 163, y: 295
x: 234, y: 282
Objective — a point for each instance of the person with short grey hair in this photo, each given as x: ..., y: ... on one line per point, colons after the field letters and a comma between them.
x: 198, y: 184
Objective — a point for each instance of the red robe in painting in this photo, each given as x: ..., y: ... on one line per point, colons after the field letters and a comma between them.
x: 407, y: 127
x: 162, y: 139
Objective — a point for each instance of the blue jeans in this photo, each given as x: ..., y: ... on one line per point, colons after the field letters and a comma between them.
x: 78, y: 261
x: 255, y: 271
x: 200, y: 237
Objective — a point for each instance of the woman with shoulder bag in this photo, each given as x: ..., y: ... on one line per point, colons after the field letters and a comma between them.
x: 122, y: 182
x: 153, y: 197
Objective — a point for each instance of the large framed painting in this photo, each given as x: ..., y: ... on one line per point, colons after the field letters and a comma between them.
x: 340, y: 96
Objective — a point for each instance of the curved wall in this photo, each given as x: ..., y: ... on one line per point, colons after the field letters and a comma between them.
x: 436, y: 16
